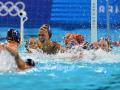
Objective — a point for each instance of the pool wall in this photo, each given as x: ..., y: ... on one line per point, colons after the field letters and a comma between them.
x: 64, y: 13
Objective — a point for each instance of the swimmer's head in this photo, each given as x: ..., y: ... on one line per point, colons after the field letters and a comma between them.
x: 107, y: 38
x: 32, y: 43
x: 45, y: 28
x: 13, y: 35
x: 30, y: 62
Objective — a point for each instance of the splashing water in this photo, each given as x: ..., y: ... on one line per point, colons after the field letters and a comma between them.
x: 87, y: 56
x: 7, y: 62
x: 69, y: 57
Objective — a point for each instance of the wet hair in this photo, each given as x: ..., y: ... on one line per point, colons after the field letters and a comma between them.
x: 13, y: 35
x: 30, y: 62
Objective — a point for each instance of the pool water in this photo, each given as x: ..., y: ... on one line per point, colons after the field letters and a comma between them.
x: 98, y: 70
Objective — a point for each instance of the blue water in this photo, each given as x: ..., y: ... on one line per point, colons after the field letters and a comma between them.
x: 55, y: 72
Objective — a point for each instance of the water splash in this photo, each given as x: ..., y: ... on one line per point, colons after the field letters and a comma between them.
x: 71, y: 56
x: 57, y: 61
x: 7, y: 62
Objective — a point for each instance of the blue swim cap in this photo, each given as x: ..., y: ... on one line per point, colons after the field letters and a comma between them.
x: 13, y: 35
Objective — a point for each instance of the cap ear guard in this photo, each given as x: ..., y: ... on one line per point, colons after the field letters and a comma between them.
x: 49, y: 33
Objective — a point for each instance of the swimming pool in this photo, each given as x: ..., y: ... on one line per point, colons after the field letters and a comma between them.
x: 96, y: 71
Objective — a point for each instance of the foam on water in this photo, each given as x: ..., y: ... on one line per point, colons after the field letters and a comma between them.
x: 87, y: 56
x: 7, y: 62
x: 53, y: 62
x: 100, y: 56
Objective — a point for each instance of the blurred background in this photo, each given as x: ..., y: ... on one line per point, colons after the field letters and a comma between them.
x: 68, y: 14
